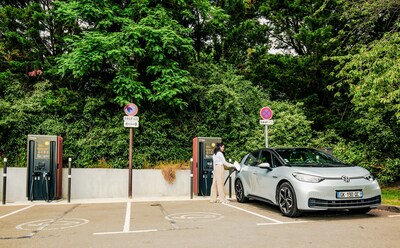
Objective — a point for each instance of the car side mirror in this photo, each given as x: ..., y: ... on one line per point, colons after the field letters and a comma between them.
x: 265, y: 166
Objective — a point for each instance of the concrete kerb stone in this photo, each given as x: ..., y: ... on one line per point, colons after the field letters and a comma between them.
x: 107, y: 200
x: 390, y: 208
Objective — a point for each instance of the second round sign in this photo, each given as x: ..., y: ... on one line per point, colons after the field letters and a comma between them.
x: 266, y: 113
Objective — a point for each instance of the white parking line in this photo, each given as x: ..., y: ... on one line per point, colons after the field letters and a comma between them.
x: 275, y: 222
x: 17, y: 211
x: 127, y: 224
x: 138, y: 231
x: 258, y: 215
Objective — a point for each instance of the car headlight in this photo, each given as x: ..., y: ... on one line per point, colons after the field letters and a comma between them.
x: 307, y: 178
x: 369, y: 177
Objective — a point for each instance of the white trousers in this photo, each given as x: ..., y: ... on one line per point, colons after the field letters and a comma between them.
x: 217, y: 188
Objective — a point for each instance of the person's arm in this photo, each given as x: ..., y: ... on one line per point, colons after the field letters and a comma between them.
x: 221, y: 157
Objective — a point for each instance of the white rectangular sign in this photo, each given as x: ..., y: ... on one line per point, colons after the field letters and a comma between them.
x: 131, y: 121
x: 131, y: 124
x: 266, y: 122
x: 131, y: 118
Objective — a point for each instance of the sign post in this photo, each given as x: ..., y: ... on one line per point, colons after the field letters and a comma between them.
x: 130, y: 120
x: 266, y: 115
x: 4, y: 181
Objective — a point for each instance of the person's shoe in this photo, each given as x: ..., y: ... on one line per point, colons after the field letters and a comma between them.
x: 213, y: 201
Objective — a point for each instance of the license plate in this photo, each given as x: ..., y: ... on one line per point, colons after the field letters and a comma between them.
x: 349, y: 194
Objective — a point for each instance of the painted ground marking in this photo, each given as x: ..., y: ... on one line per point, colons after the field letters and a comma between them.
x: 52, y: 224
x: 194, y: 217
x: 275, y: 222
x: 127, y: 224
x: 17, y: 211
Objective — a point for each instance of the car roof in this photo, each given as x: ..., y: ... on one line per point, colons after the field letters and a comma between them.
x: 285, y: 148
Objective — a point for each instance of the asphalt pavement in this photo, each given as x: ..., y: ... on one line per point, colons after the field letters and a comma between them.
x: 184, y: 222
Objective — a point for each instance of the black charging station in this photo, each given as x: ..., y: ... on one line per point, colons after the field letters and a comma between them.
x: 44, y: 175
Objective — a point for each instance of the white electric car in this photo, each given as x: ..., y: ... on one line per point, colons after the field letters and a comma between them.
x: 305, y: 179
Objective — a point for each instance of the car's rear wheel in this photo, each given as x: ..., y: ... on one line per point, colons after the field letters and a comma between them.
x: 359, y: 210
x: 287, y: 200
x: 239, y: 191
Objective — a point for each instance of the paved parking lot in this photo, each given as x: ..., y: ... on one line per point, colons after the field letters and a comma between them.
x: 189, y: 223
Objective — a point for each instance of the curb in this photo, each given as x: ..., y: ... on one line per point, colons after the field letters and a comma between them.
x: 394, y: 209
x: 106, y: 200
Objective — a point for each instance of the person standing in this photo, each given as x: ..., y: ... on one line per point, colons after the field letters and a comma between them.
x: 217, y: 187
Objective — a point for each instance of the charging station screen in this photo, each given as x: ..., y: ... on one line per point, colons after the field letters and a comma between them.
x: 42, y: 149
x: 209, y: 145
x: 209, y: 150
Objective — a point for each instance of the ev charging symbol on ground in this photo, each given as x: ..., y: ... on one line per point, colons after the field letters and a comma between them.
x: 52, y: 224
x: 194, y: 217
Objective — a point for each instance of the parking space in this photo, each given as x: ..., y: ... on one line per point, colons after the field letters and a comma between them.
x: 189, y: 223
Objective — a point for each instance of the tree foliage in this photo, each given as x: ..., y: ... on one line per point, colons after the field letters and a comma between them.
x: 370, y: 76
x: 328, y: 69
x: 140, y: 53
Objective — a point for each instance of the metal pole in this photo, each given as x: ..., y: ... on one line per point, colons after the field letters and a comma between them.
x: 230, y: 181
x: 191, y: 178
x: 130, y: 162
x: 4, y: 181
x: 69, y: 179
x: 266, y: 136
x: 130, y: 159
x: 230, y: 185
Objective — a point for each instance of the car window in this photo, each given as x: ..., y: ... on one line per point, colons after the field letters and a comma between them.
x: 252, y: 159
x: 307, y: 157
x: 265, y: 157
x: 275, y: 162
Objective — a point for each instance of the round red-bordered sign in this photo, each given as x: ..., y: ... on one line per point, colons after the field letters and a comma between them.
x: 266, y: 113
x: 131, y: 109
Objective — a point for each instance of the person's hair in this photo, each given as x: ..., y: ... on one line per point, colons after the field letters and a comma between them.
x: 218, y: 147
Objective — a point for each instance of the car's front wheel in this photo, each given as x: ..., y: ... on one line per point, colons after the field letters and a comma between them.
x: 287, y: 200
x: 239, y: 191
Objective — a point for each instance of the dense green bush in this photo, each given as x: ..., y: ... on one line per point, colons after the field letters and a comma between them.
x: 387, y: 171
x: 199, y: 68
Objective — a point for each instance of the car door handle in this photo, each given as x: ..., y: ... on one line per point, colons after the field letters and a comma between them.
x: 274, y: 177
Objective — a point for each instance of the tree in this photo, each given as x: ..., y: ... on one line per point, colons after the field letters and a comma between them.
x: 366, y: 21
x: 140, y: 49
x: 295, y: 69
x: 370, y: 77
x: 27, y: 48
x: 227, y: 105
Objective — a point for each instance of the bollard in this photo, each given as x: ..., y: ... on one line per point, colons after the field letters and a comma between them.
x: 230, y: 180
x: 69, y: 179
x: 230, y: 185
x: 4, y: 181
x: 191, y: 178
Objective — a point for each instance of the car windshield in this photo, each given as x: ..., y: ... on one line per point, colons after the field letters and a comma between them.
x: 307, y: 157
